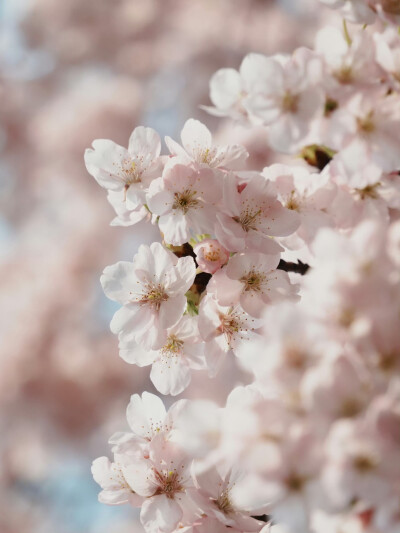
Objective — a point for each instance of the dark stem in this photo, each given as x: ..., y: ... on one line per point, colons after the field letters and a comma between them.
x: 299, y: 267
x: 200, y: 282
x: 202, y: 279
x: 262, y: 518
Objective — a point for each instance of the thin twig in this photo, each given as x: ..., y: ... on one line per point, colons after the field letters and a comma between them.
x: 298, y: 268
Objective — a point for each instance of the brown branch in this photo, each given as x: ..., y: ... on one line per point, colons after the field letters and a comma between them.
x: 298, y: 268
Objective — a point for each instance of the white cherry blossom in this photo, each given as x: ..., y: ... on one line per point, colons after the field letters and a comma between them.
x: 173, y: 362
x: 250, y: 218
x: 252, y: 280
x: 184, y: 199
x: 198, y: 148
x: 151, y: 291
x: 126, y: 171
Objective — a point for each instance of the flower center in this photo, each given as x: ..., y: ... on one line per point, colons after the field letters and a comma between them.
x: 185, y: 200
x: 349, y: 408
x: 169, y: 483
x: 154, y: 296
x: 290, y: 102
x: 173, y: 346
x: 366, y: 124
x: 292, y: 202
x: 131, y: 172
x: 212, y: 255
x: 387, y: 361
x: 370, y: 191
x: 344, y: 75
x: 206, y: 156
x: 223, y: 502
x: 364, y: 463
x: 346, y: 318
x: 295, y: 482
x: 248, y: 219
x: 230, y: 325
x: 295, y: 357
x: 253, y: 281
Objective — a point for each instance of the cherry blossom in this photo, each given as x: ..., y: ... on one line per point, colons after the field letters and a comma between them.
x: 111, y: 478
x: 284, y: 94
x: 183, y: 199
x: 308, y: 194
x: 227, y: 92
x: 279, y: 91
x: 147, y: 416
x: 223, y: 328
x: 126, y: 171
x: 216, y: 498
x: 252, y: 280
x: 365, y: 11
x: 373, y: 120
x: 148, y: 419
x: 162, y: 480
x: 251, y: 217
x: 197, y: 147
x: 353, y: 10
x: 125, y: 216
x: 292, y: 269
x: 349, y: 64
x: 210, y: 255
x: 388, y: 54
x: 172, y: 363
x: 358, y: 467
x: 151, y: 290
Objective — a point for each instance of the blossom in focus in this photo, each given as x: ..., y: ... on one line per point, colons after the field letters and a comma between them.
x: 151, y: 291
x: 252, y: 280
x: 210, y: 255
x: 162, y: 480
x: 184, y: 200
x: 126, y: 171
x: 115, y: 488
x: 216, y: 498
x: 251, y: 217
x: 198, y: 148
x: 223, y: 328
x: 173, y: 362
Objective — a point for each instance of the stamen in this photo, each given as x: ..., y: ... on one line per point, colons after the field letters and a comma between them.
x: 290, y: 102
x: 366, y: 124
x: 132, y: 172
x: 223, y: 502
x: 173, y: 346
x: 154, y: 296
x: 185, y: 200
x: 248, y: 219
x: 169, y: 483
x: 253, y: 281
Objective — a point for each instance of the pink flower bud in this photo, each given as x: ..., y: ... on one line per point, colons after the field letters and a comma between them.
x: 210, y: 255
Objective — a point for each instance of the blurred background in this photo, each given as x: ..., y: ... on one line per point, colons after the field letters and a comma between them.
x: 72, y: 71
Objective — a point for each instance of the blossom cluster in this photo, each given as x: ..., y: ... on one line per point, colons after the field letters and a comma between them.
x: 367, y: 11
x: 312, y: 443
